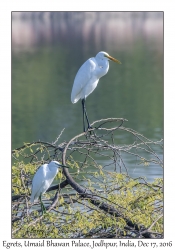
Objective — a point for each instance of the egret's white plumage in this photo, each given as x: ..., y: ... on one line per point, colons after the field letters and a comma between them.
x: 87, y: 78
x: 43, y: 179
x: 88, y: 75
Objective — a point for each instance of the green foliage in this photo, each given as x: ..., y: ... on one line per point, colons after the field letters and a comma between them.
x: 134, y: 199
x: 73, y: 216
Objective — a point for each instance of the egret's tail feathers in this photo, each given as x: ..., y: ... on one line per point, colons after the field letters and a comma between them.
x: 33, y: 199
x: 74, y: 100
x: 75, y: 97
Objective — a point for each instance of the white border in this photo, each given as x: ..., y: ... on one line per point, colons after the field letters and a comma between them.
x: 5, y: 93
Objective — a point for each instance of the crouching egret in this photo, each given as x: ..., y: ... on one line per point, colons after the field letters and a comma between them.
x: 87, y: 78
x: 42, y: 180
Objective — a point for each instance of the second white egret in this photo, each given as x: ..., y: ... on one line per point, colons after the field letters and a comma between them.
x: 87, y: 78
x: 42, y: 180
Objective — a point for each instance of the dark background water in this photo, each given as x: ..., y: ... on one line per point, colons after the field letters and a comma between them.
x: 49, y: 47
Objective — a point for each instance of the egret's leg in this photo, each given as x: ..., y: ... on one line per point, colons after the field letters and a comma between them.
x: 43, y: 209
x: 85, y: 112
x: 84, y: 129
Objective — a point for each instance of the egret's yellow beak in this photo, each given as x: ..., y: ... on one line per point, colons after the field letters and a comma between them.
x: 113, y: 59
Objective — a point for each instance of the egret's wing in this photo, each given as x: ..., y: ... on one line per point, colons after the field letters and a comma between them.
x: 38, y: 181
x: 83, y: 76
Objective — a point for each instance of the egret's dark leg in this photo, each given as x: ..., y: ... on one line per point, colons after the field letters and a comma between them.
x: 85, y: 112
x: 43, y: 209
x: 83, y: 106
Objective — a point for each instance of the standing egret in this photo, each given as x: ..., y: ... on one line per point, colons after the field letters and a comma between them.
x: 87, y: 78
x: 42, y: 181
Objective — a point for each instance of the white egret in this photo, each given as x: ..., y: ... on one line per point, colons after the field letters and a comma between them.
x: 42, y: 180
x: 87, y: 78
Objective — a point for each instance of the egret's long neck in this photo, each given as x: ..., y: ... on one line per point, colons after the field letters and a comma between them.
x: 53, y: 170
x: 103, y: 67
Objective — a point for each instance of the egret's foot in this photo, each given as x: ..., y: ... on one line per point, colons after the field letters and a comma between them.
x: 87, y: 130
x: 43, y: 209
x: 89, y: 127
x: 91, y: 132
